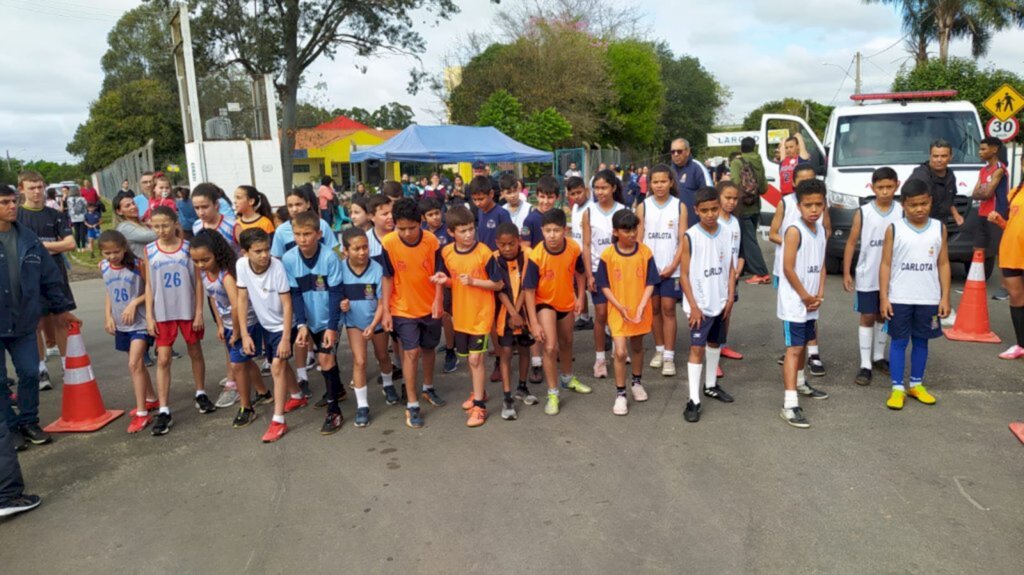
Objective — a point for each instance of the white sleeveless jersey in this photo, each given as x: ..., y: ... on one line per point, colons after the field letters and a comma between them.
x: 601, y: 237
x: 519, y: 217
x: 790, y: 216
x: 374, y: 243
x: 123, y: 285
x: 732, y: 229
x: 873, y: 224
x: 174, y: 283
x: 810, y: 257
x: 710, y: 260
x: 225, y: 227
x: 661, y: 231
x: 915, y: 263
x: 576, y: 226
x: 221, y: 302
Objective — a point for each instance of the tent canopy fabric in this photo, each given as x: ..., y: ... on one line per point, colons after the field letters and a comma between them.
x: 449, y: 144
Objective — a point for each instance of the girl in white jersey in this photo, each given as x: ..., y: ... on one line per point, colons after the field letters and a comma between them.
x: 728, y: 197
x: 869, y: 225
x: 174, y: 303
x: 205, y: 200
x: 578, y: 195
x: 913, y: 290
x: 663, y: 221
x: 597, y: 236
x: 125, y: 315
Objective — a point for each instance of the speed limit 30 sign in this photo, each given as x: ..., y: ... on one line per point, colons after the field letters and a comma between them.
x: 1005, y: 130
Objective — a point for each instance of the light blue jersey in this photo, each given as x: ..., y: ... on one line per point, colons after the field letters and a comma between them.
x: 316, y: 287
x: 284, y: 238
x: 363, y: 293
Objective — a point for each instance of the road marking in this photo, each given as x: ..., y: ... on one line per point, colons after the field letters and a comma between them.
x: 966, y: 495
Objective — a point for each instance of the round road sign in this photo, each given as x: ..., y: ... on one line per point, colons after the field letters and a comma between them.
x: 1004, y: 130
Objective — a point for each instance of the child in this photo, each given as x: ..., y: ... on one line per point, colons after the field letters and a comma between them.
x: 489, y: 214
x: 1011, y: 264
x: 314, y: 274
x: 550, y: 303
x: 174, y: 302
x: 414, y: 303
x: 511, y: 325
x: 161, y: 197
x: 913, y: 293
x: 869, y: 225
x: 433, y: 222
x: 379, y: 209
x: 359, y: 214
x: 663, y: 221
x: 205, y: 199
x: 252, y: 210
x: 627, y: 275
x: 125, y: 315
x: 216, y: 262
x: 517, y: 209
x: 708, y: 280
x: 801, y: 291
x: 263, y: 284
x: 530, y: 234
x: 597, y: 236
x: 92, y: 225
x: 466, y: 266
x: 362, y: 314
x: 280, y: 216
x: 728, y: 197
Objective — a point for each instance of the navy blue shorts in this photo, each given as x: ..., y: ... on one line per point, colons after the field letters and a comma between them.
x: 235, y: 352
x: 123, y: 339
x: 867, y: 302
x: 669, y: 287
x: 598, y: 297
x: 797, y: 334
x: 709, y: 331
x: 271, y: 340
x: 917, y: 321
x: 421, y: 332
x: 510, y: 338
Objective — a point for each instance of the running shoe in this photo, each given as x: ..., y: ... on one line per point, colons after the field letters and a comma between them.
x: 362, y: 417
x: 265, y: 398
x: 600, y: 369
x: 468, y: 404
x: 311, y: 360
x: 265, y: 368
x: 530, y: 398
x: 139, y: 422
x: 621, y: 405
x: 896, y: 399
x: 536, y: 374
x: 758, y: 280
x: 718, y: 393
x: 668, y: 368
x: 657, y: 360
x: 292, y: 404
x: 863, y: 377
x: 451, y: 361
x: 576, y: 385
x: 322, y: 402
x: 390, y: 395
x: 35, y: 434
x: 1001, y: 294
x: 477, y: 417
x: 692, y: 412
x: 228, y: 397
x: 508, y: 410
x: 204, y: 405
x: 719, y: 373
x: 431, y: 396
x: 44, y: 381
x: 19, y: 504
x: 275, y: 431
x: 223, y: 382
x: 639, y: 393
x: 496, y: 372
x: 812, y: 392
x: 1014, y: 352
x: 583, y: 324
x: 815, y: 365
x: 882, y: 365
x: 53, y: 351
x: 552, y: 406
x: 781, y: 360
x: 243, y: 418
x: 332, y: 423
x: 921, y: 394
x: 151, y: 405
x: 162, y: 423
x: 730, y: 353
x: 795, y: 417
x: 413, y: 417
x: 520, y: 393
x: 304, y: 388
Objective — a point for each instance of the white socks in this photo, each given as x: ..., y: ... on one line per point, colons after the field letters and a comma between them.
x: 790, y: 400
x: 278, y: 419
x: 881, y: 341
x: 668, y: 355
x: 659, y: 349
x: 361, y: 397
x: 386, y: 380
x: 801, y: 379
x: 600, y: 356
x: 812, y: 350
x: 693, y: 378
x: 864, y: 335
x: 536, y: 361
x: 301, y: 374
x: 713, y: 355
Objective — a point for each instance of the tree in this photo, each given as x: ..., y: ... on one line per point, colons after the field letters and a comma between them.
x: 309, y: 115
x: 599, y: 18
x: 393, y: 116
x: 543, y: 129
x: 693, y: 98
x: 635, y: 74
x: 815, y: 114
x: 139, y: 48
x: 503, y: 111
x: 282, y: 38
x: 960, y: 74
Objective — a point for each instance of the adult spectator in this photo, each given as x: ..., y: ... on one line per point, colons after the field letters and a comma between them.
x: 690, y: 175
x: 127, y: 187
x: 187, y: 215
x: 796, y: 152
x: 480, y: 169
x: 89, y: 193
x: 28, y: 277
x: 145, y: 192
x: 941, y: 181
x: 572, y: 171
x: 126, y: 221
x: 327, y: 199
x: 630, y: 189
x: 642, y: 181
x: 76, y: 208
x: 435, y: 189
x: 748, y: 166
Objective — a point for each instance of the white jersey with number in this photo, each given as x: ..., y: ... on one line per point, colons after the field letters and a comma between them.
x: 174, y: 283
x: 790, y: 216
x: 710, y: 260
x: 124, y: 285
x: 215, y: 290
x: 915, y: 263
x: 601, y: 237
x: 873, y: 224
x: 810, y: 257
x: 661, y: 231
x: 519, y: 216
x: 576, y: 225
x: 732, y: 229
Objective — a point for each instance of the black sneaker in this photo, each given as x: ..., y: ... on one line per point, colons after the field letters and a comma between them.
x: 244, y: 417
x: 332, y: 424
x: 451, y: 361
x: 782, y: 359
x: 817, y: 368
x: 692, y: 412
x: 162, y: 424
x: 863, y: 377
x: 536, y: 374
x: 44, y: 381
x: 811, y: 392
x: 396, y: 375
x: 881, y: 365
x: 413, y: 417
x: 362, y: 417
x: 175, y: 354
x: 265, y: 369
x: 1001, y: 294
x: 304, y: 388
x: 795, y: 417
x: 390, y: 395
x: 204, y: 405
x: 19, y: 504
x: 18, y: 441
x: 583, y: 324
x: 263, y: 398
x: 322, y: 402
x: 147, y: 360
x: 718, y: 393
x: 35, y: 434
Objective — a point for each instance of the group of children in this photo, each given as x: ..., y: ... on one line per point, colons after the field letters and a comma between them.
x: 505, y: 279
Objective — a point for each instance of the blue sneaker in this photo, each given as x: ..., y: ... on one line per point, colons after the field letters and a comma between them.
x: 362, y: 417
x: 390, y: 395
x: 451, y: 362
x: 413, y: 418
x: 433, y: 398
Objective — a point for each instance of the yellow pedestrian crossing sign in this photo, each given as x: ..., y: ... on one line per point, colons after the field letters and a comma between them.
x: 1004, y: 103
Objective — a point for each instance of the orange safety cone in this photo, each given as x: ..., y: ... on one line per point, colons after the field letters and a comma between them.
x: 82, y: 408
x: 972, y: 315
x: 1017, y: 428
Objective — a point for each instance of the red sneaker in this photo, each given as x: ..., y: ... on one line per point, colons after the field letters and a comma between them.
x: 275, y: 431
x: 720, y: 373
x: 292, y: 404
x: 730, y: 353
x: 150, y: 406
x: 139, y: 422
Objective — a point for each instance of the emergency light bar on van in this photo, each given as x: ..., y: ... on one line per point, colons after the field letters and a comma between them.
x: 899, y: 96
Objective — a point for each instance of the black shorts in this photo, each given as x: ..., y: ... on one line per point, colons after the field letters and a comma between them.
x: 509, y: 338
x: 466, y: 343
x: 559, y: 315
x: 318, y: 343
x: 987, y: 236
x: 420, y: 332
x: 1012, y: 272
x: 447, y: 301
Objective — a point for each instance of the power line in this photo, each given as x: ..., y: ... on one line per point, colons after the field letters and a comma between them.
x: 846, y: 75
x: 27, y: 6
x: 890, y: 46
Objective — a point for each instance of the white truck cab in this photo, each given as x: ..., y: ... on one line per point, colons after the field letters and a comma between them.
x: 898, y: 134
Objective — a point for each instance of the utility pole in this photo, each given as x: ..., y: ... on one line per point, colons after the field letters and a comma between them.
x: 9, y: 168
x: 856, y: 88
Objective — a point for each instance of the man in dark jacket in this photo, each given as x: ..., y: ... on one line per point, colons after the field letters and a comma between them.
x: 941, y: 181
x: 28, y: 278
x: 690, y: 176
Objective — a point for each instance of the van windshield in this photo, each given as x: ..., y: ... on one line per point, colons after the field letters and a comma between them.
x: 887, y: 139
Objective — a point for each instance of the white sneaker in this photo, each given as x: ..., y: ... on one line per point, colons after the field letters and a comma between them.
x: 639, y: 393
x: 223, y: 382
x: 949, y: 321
x: 53, y: 351
x: 600, y: 369
x: 656, y: 360
x: 44, y: 381
x: 227, y: 398
x: 668, y: 368
x: 621, y: 406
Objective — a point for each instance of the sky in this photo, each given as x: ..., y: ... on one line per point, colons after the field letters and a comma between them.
x: 761, y: 51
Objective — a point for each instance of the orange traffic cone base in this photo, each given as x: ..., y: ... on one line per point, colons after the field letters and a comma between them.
x: 62, y: 426
x: 1017, y: 428
x: 954, y: 334
x: 82, y: 406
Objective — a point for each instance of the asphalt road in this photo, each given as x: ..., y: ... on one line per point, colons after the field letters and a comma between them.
x: 865, y: 490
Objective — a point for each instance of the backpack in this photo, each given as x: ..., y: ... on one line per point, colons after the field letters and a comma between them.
x: 750, y: 189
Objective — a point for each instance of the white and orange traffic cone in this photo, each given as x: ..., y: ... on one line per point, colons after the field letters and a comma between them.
x: 1017, y: 428
x: 972, y: 315
x: 82, y: 406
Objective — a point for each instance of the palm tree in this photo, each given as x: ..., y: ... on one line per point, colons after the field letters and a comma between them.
x: 945, y: 20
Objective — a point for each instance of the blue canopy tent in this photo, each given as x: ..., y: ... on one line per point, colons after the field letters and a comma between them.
x: 450, y: 144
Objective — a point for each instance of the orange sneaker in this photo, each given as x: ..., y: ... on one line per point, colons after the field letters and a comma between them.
x: 275, y: 431
x: 292, y: 404
x: 468, y: 404
x: 139, y: 422
x: 477, y: 417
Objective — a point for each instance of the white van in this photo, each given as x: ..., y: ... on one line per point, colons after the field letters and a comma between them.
x: 897, y: 134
